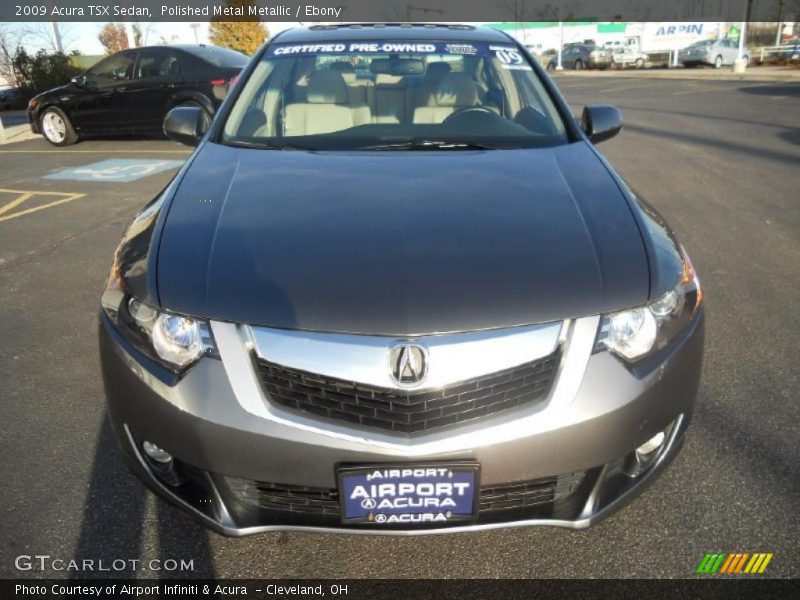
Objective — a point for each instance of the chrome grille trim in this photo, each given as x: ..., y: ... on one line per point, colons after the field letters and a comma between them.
x: 237, y: 352
x: 365, y: 358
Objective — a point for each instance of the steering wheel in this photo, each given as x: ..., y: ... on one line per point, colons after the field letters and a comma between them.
x: 484, y: 110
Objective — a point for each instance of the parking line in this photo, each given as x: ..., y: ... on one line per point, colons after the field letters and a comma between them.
x: 187, y: 152
x: 25, y: 195
x: 630, y: 87
x: 16, y: 202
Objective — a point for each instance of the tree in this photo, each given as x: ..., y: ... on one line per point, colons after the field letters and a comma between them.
x: 42, y: 71
x: 10, y: 43
x: 238, y: 33
x: 113, y: 37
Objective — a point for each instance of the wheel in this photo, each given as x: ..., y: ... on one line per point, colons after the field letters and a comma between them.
x: 746, y: 59
x: 718, y: 62
x: 578, y: 65
x: 56, y: 128
x: 639, y: 63
x: 551, y: 66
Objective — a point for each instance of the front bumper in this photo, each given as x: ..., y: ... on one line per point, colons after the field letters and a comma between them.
x: 33, y: 121
x: 582, y: 440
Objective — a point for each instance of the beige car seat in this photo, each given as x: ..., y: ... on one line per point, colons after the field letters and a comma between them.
x: 326, y: 108
x: 456, y: 91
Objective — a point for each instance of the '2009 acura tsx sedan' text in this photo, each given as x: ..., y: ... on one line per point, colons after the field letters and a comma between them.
x: 397, y: 289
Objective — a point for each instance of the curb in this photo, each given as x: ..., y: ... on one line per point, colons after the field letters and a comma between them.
x: 17, y: 133
x: 752, y: 74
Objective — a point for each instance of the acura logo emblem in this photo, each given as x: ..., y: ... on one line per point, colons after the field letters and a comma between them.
x: 408, y: 364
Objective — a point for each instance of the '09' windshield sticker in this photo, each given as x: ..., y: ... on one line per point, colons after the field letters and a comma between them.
x: 512, y: 59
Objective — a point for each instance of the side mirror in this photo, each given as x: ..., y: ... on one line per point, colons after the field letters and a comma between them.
x: 79, y: 80
x: 186, y: 124
x: 601, y: 122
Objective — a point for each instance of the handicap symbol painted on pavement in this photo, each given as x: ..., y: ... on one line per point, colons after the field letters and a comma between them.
x: 117, y: 169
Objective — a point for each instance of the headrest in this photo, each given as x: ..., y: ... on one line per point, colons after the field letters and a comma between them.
x: 436, y: 70
x: 326, y: 87
x: 387, y: 79
x: 457, y: 89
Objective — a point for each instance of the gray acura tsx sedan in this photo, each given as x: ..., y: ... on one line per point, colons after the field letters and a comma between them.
x: 396, y: 289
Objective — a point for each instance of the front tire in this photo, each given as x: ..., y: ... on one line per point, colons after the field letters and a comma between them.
x: 718, y: 62
x: 578, y: 65
x: 56, y: 127
x: 639, y: 64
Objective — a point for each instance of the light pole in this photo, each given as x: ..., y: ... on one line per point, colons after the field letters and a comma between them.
x: 743, y: 31
x: 781, y: 4
x: 740, y: 64
x: 194, y: 26
x: 57, y: 37
x: 559, y: 66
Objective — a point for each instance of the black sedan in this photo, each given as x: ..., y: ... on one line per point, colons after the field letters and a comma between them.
x: 131, y: 92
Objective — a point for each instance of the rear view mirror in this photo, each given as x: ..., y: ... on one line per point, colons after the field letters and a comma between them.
x: 397, y: 66
x: 186, y: 124
x: 601, y: 122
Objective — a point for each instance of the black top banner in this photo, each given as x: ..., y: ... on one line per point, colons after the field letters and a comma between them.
x: 388, y: 10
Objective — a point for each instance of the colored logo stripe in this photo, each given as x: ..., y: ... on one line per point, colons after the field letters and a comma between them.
x: 734, y: 563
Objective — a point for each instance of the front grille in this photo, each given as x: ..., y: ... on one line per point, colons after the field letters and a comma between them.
x: 411, y: 411
x: 520, y: 495
x: 286, y: 498
x: 506, y: 500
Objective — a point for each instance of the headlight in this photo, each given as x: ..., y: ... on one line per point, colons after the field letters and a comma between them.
x: 632, y: 333
x: 174, y: 341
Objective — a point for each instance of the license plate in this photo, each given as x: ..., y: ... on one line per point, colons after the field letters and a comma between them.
x: 416, y: 494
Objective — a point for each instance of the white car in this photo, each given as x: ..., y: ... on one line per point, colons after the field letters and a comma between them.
x: 712, y: 52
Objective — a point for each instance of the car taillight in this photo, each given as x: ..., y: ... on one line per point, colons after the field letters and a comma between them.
x: 228, y: 82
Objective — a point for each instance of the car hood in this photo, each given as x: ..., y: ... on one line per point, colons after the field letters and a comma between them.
x: 399, y: 242
x: 56, y: 91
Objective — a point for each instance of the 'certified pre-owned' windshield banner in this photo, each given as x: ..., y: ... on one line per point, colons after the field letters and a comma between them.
x: 335, y: 11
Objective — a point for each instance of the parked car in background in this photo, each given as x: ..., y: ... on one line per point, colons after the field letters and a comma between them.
x: 132, y: 91
x: 711, y: 52
x: 582, y: 56
x: 13, y: 99
x: 626, y: 55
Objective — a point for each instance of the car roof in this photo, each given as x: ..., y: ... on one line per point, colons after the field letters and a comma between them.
x: 186, y: 47
x: 394, y: 31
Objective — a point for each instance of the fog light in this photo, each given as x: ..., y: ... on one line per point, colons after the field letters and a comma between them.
x: 651, y: 445
x: 157, y: 454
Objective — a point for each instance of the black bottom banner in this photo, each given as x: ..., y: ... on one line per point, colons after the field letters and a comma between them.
x: 429, y: 589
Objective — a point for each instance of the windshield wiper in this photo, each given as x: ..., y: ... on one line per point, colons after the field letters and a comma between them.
x: 268, y: 145
x: 428, y: 145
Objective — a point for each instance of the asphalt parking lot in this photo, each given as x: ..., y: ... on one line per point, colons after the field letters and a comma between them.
x: 720, y: 160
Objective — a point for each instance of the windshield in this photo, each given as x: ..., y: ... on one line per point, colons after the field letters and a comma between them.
x: 376, y: 95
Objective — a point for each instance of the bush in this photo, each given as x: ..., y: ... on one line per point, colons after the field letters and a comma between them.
x: 43, y: 70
